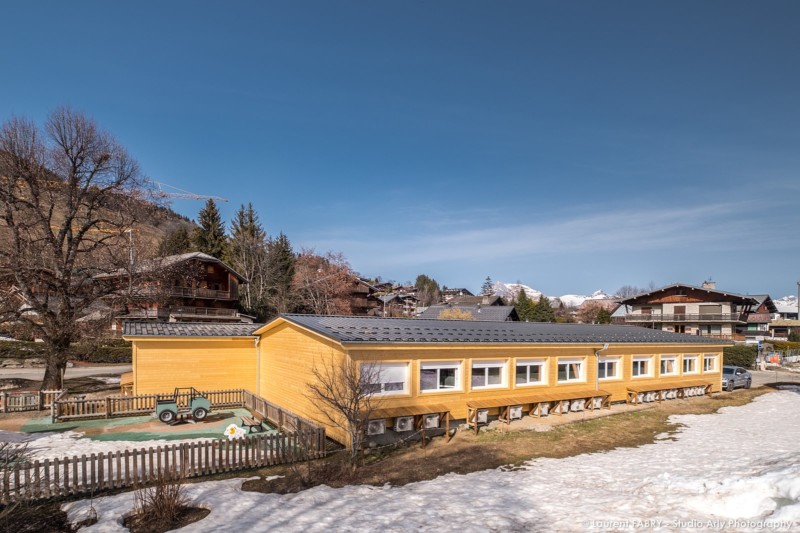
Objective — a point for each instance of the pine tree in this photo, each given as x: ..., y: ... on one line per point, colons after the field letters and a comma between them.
x: 543, y: 311
x: 603, y: 316
x: 247, y: 254
x: 488, y: 287
x: 524, y: 306
x: 209, y: 237
x: 175, y: 242
x: 428, y: 290
x: 280, y: 267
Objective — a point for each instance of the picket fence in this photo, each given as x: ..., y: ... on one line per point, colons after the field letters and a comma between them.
x: 13, y: 402
x: 76, y: 475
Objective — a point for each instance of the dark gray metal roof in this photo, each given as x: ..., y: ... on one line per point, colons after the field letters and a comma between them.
x: 187, y: 329
x: 490, y: 313
x: 355, y: 329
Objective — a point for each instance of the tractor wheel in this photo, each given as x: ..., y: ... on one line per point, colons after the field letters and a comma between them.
x: 167, y: 416
x: 200, y: 413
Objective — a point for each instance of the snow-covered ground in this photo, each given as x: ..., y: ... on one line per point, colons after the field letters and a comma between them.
x: 737, y: 470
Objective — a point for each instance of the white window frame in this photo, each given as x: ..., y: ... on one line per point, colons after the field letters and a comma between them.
x: 648, y: 360
x: 690, y: 357
x: 439, y: 365
x: 710, y: 357
x: 378, y: 367
x: 616, y: 360
x: 528, y: 363
x: 483, y: 365
x: 580, y: 361
x: 664, y: 358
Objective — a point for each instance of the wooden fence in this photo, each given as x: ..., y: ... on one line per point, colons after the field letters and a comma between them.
x: 69, y: 476
x: 79, y: 409
x: 11, y: 402
x: 284, y: 420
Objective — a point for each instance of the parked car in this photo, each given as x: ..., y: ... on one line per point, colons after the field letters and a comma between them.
x: 735, y: 376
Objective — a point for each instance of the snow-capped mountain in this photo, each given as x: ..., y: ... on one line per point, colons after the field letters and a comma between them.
x: 787, y: 304
x: 509, y: 291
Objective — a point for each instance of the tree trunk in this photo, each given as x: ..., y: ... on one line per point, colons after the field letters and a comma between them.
x: 56, y: 364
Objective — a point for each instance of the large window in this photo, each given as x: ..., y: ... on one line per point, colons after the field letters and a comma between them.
x: 689, y: 364
x: 440, y: 376
x: 385, y: 378
x: 530, y: 372
x: 669, y: 365
x: 709, y: 363
x: 486, y: 374
x: 642, y: 367
x: 570, y: 370
x: 608, y: 368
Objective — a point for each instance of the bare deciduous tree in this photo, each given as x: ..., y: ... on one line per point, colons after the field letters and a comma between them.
x: 68, y: 194
x: 629, y: 291
x: 323, y: 283
x: 455, y: 314
x: 347, y: 388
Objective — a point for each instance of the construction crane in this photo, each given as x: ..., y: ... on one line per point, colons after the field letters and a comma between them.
x: 180, y: 193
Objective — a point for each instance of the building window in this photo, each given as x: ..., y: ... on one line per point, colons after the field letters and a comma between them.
x: 689, y: 364
x: 669, y: 365
x: 608, y: 368
x: 641, y: 367
x: 709, y: 363
x: 570, y: 370
x: 385, y: 378
x: 487, y: 374
x: 530, y: 372
x: 440, y: 376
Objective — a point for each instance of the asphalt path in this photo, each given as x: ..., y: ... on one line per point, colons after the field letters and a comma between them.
x: 37, y: 374
x: 765, y: 377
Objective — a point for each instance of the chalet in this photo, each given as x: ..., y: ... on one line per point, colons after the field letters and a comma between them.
x: 757, y: 321
x: 448, y: 293
x: 429, y: 373
x: 491, y: 313
x: 397, y: 305
x: 188, y: 287
x: 680, y: 308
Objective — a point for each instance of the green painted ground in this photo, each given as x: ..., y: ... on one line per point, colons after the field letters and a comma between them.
x: 142, y: 428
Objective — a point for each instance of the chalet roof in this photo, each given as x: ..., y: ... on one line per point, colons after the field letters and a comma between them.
x: 724, y: 296
x: 366, y: 330
x: 764, y: 299
x: 475, y: 300
x: 457, y: 291
x: 170, y: 260
x: 490, y: 313
x: 187, y: 329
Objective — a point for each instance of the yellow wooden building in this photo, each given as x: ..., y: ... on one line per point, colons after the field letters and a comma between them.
x: 427, y: 372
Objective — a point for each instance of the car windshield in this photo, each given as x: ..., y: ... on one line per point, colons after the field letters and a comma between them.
x: 727, y: 371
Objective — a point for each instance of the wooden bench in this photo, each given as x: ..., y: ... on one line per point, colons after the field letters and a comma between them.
x: 662, y: 387
x: 535, y: 401
x: 252, y: 424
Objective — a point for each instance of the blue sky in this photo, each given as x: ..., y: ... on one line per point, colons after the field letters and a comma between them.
x: 571, y: 146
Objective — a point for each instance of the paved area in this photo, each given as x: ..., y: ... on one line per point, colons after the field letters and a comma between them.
x: 764, y: 377
x: 37, y: 374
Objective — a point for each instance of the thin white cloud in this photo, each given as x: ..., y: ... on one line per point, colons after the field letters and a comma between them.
x: 718, y: 227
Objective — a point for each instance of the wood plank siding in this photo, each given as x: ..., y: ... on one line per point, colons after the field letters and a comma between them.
x: 161, y: 363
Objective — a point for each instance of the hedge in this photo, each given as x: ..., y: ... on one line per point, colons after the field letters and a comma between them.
x: 112, y: 351
x: 740, y: 355
x: 785, y: 345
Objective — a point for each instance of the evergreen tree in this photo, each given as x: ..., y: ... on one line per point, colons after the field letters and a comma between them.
x: 428, y: 290
x: 543, y: 311
x: 209, y: 237
x: 280, y: 268
x: 524, y: 306
x: 175, y: 242
x: 603, y: 316
x: 247, y: 254
x: 488, y: 287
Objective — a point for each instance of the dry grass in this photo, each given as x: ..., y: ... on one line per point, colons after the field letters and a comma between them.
x: 467, y: 452
x: 162, y: 507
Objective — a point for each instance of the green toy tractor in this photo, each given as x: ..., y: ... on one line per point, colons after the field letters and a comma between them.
x: 198, y: 406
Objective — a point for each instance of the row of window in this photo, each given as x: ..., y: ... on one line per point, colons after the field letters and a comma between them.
x: 392, y: 378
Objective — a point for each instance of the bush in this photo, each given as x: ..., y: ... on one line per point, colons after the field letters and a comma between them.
x: 740, y: 356
x: 784, y: 345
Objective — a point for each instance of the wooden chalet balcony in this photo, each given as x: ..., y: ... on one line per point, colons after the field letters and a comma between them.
x: 186, y: 292
x: 687, y: 317
x: 199, y: 312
